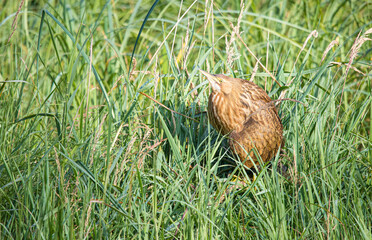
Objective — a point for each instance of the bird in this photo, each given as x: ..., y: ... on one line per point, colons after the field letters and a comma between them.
x: 245, y: 113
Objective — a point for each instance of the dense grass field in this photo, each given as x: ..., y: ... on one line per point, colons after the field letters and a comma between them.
x: 104, y: 132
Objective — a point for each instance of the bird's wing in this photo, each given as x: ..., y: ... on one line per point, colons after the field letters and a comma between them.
x: 255, y: 92
x: 254, y: 101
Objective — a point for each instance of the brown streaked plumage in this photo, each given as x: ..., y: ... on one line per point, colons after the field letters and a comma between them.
x: 244, y: 111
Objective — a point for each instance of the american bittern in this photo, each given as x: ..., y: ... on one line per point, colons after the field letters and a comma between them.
x: 244, y: 111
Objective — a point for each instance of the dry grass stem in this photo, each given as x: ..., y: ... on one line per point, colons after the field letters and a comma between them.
x: 271, y: 104
x: 156, y: 76
x: 97, y: 136
x: 170, y: 32
x: 232, y: 55
x: 254, y: 71
x: 330, y: 46
x: 359, y: 41
x: 144, y: 94
x: 175, y: 31
x: 249, y: 50
x: 267, y: 55
x: 187, y: 48
x: 15, y: 22
x: 120, y: 170
x: 131, y: 74
x: 352, y: 67
x: 312, y: 34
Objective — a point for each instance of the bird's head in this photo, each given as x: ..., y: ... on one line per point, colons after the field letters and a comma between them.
x: 221, y: 83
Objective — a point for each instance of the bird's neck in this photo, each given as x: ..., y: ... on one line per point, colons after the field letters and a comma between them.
x: 225, y: 116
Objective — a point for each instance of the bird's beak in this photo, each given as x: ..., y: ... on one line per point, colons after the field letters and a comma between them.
x: 214, y: 81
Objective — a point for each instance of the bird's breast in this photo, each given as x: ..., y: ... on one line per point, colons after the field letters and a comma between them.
x: 224, y: 114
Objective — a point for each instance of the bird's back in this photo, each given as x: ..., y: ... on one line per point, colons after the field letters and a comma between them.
x: 262, y: 129
x: 254, y: 123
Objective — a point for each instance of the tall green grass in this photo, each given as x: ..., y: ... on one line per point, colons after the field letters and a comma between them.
x: 104, y: 134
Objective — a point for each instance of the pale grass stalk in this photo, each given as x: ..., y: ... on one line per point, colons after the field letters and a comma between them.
x: 186, y: 40
x: 314, y: 34
x: 142, y: 151
x: 176, y: 63
x: 89, y: 73
x: 156, y: 76
x: 206, y: 15
x: 24, y: 63
x: 295, y: 171
x: 175, y: 31
x: 117, y: 135
x: 170, y: 32
x: 187, y: 56
x: 75, y: 118
x: 15, y: 22
x: 271, y: 105
x: 132, y: 72
x: 87, y: 231
x: 57, y: 162
x: 208, y: 65
x: 254, y: 72
x: 359, y: 41
x: 329, y: 208
x: 97, y: 136
x: 232, y: 55
x: 212, y: 22
x: 330, y: 46
x: 120, y: 170
x: 88, y: 89
x: 142, y: 72
x: 145, y: 151
x: 188, y: 48
x: 352, y: 67
x: 209, y: 14
x: 249, y: 50
x: 144, y: 94
x: 116, y: 83
x: 194, y: 93
x: 267, y: 55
